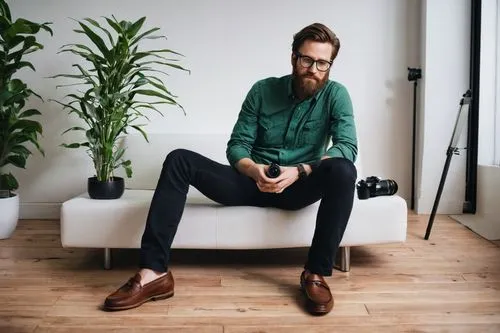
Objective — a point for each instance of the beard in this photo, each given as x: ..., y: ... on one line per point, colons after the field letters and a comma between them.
x: 306, y: 85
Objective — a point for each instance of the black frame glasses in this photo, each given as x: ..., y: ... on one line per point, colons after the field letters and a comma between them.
x: 307, y: 62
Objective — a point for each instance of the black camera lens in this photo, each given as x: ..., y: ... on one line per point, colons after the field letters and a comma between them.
x: 386, y: 187
x: 273, y: 171
x: 374, y: 186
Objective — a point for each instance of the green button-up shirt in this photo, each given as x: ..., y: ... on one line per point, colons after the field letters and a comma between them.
x: 274, y: 126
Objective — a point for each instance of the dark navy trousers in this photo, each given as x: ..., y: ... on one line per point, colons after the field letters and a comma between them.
x: 332, y: 182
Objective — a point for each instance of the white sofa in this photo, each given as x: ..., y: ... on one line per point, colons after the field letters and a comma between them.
x: 205, y: 224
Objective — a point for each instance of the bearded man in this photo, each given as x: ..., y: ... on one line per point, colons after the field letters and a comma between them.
x: 302, y: 122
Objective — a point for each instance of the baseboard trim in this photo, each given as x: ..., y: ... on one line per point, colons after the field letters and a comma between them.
x: 40, y: 210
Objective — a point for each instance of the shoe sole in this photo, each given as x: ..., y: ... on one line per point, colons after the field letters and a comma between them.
x: 135, y: 305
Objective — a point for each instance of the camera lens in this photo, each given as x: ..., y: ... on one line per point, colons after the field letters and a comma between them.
x: 386, y: 187
x: 273, y: 171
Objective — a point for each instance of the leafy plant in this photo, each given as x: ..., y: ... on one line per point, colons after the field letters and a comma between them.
x: 121, y: 82
x: 17, y: 39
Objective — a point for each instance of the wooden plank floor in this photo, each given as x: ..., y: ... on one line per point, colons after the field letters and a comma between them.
x: 450, y: 283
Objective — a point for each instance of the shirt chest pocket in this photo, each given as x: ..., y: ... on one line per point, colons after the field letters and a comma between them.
x: 313, y: 132
x: 272, y: 130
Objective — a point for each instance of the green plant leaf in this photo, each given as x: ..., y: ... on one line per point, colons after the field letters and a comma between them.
x: 16, y: 160
x: 34, y: 93
x: 141, y: 55
x: 8, y: 182
x: 137, y: 39
x: 75, y: 128
x: 97, y: 25
x: 15, y: 41
x: 166, y: 51
x: 147, y: 106
x: 12, y: 68
x: 45, y: 26
x: 135, y: 27
x: 114, y: 25
x: 154, y: 93
x: 96, y: 59
x: 29, y: 113
x: 128, y: 169
x: 27, y: 126
x: 30, y: 45
x: 119, y: 153
x: 71, y: 145
x: 21, y: 150
x: 21, y: 137
x: 5, y: 11
x: 141, y: 131
x: 96, y: 40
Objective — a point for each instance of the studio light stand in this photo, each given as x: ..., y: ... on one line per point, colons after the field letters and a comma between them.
x: 414, y: 74
x: 452, y: 150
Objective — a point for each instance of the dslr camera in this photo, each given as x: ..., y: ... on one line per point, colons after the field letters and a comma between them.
x: 374, y: 186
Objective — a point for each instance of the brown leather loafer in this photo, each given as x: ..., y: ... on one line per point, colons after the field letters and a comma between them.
x: 132, y: 294
x: 319, y: 299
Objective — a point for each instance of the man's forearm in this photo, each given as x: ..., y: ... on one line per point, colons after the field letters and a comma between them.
x: 245, y: 166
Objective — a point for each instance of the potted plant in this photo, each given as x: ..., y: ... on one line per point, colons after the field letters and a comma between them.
x: 121, y: 82
x: 17, y: 129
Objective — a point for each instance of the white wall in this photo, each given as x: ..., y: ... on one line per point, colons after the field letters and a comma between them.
x: 230, y: 44
x: 445, y: 67
x: 488, y: 82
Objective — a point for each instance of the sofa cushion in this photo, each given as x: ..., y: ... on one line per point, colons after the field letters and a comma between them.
x: 120, y: 223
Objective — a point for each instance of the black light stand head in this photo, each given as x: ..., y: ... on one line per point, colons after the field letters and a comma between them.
x: 414, y: 74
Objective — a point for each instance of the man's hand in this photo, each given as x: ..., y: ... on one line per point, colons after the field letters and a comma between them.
x: 287, y: 177
x: 264, y: 183
x: 258, y: 173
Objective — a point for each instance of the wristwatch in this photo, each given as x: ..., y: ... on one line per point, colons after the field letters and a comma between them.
x: 302, y: 171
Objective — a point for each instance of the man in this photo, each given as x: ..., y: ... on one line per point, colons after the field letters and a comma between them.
x: 288, y: 121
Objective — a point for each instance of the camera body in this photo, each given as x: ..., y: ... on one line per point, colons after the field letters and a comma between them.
x: 273, y: 171
x: 374, y: 186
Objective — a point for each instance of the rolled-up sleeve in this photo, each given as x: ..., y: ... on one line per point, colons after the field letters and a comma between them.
x: 342, y: 127
x: 245, y: 129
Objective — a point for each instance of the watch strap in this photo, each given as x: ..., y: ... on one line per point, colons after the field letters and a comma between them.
x: 302, y: 171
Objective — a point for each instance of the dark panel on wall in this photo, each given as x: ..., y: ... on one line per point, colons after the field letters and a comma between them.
x: 472, y: 136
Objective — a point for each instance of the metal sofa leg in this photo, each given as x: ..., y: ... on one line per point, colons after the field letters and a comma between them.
x: 107, y: 258
x: 343, y: 259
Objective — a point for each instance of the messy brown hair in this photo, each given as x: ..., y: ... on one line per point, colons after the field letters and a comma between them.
x: 319, y: 33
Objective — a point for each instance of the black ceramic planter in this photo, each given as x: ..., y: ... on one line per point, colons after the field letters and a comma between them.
x: 112, y: 189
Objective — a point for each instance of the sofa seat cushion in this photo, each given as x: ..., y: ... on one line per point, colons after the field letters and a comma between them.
x: 120, y: 223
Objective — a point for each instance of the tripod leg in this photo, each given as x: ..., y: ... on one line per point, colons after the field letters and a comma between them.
x: 439, y: 192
